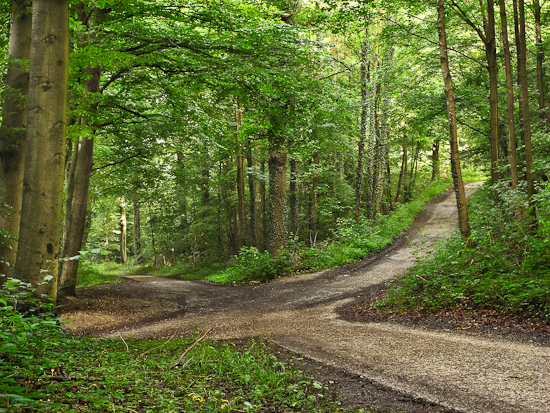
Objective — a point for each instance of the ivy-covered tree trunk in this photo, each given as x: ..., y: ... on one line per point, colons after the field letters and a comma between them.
x: 13, y: 134
x: 277, y: 201
x: 462, y: 207
x: 45, y: 150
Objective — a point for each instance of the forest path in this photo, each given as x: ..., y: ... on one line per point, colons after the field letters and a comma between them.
x: 452, y: 370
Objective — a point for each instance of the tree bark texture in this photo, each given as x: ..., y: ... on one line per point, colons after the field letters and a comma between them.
x: 277, y: 201
x: 541, y: 86
x: 252, y: 193
x: 45, y: 150
x: 435, y: 159
x: 13, y: 134
x: 403, y: 168
x: 241, y: 231
x: 462, y: 207
x: 509, y: 96
x: 491, y: 53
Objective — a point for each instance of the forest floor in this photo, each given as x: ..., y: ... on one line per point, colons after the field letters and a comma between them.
x: 458, y: 361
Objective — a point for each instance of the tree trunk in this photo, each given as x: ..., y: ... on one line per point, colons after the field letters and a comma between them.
x: 262, y: 227
x: 137, y: 233
x: 153, y: 245
x: 123, y: 226
x: 293, y: 197
x: 314, y: 193
x: 435, y: 159
x: 403, y: 168
x: 510, y: 97
x: 76, y: 193
x: 518, y: 81
x: 241, y: 231
x: 491, y: 54
x: 252, y: 193
x: 365, y: 51
x: 373, y: 98
x: 277, y: 201
x: 541, y: 77
x: 13, y: 135
x: 525, y: 111
x: 45, y: 148
x: 453, y: 132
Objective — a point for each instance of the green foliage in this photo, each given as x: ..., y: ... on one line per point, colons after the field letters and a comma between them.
x: 94, y: 274
x: 100, y: 375
x: 508, y: 269
x: 24, y: 340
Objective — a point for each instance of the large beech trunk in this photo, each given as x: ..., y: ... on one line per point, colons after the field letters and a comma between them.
x: 13, y: 134
x: 277, y: 201
x: 453, y: 132
x: 39, y: 234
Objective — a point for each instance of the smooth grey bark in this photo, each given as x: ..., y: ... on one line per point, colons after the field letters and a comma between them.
x: 41, y: 209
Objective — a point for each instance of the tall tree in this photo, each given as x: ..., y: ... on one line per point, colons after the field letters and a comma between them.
x: 45, y: 150
x: 453, y: 130
x: 13, y: 134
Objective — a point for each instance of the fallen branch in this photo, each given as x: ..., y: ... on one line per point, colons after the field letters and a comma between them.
x: 178, y: 363
x: 154, y: 348
x: 127, y: 349
x: 421, y: 278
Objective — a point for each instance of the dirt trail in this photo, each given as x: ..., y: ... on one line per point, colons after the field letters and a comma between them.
x: 429, y: 370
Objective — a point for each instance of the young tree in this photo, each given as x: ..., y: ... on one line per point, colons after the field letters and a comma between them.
x: 45, y: 150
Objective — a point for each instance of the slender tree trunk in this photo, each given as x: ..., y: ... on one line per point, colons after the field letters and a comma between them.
x: 541, y: 86
x: 45, y: 147
x: 263, y: 213
x: 365, y: 51
x: 152, y: 235
x: 510, y: 97
x: 491, y: 53
x: 13, y: 134
x: 403, y: 168
x: 277, y: 201
x: 137, y: 232
x: 252, y: 193
x: 293, y: 197
x: 241, y: 231
x: 453, y: 131
x: 315, y: 193
x: 123, y: 226
x: 518, y: 81
x: 373, y: 98
x: 525, y: 112
x: 435, y: 159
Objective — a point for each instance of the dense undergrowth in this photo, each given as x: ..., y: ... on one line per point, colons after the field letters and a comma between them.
x: 45, y: 368
x: 351, y: 241
x: 507, y: 269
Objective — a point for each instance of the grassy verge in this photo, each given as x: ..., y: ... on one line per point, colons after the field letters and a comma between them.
x: 508, y: 269
x: 43, y: 368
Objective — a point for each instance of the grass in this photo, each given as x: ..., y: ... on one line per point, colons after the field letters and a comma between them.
x: 53, y: 370
x: 508, y: 268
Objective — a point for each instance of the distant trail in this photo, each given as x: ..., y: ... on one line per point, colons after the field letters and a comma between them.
x: 464, y: 373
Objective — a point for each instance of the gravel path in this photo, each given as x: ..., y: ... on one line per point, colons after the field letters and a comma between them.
x: 453, y: 370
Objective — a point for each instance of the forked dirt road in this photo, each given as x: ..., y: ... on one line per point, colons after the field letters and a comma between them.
x: 437, y: 370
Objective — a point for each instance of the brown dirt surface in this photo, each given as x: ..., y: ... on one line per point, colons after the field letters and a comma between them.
x: 319, y: 321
